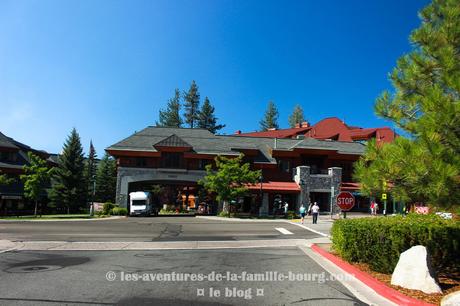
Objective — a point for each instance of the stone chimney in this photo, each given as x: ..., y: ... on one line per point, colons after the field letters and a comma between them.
x: 305, y: 124
x: 297, y: 125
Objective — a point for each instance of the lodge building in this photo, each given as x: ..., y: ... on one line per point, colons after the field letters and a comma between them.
x: 13, y: 157
x: 295, y: 171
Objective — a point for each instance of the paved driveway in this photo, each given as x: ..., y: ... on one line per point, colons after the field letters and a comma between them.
x: 79, y: 277
x: 151, y: 229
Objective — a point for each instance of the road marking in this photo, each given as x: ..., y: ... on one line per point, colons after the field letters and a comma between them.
x: 311, y: 230
x: 283, y: 231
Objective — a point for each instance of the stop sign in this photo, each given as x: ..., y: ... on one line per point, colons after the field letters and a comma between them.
x: 345, y: 201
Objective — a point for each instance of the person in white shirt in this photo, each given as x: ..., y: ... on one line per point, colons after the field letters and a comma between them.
x: 315, y: 212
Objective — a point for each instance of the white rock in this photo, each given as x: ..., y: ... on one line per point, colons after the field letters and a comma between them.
x: 414, y: 271
x: 452, y: 299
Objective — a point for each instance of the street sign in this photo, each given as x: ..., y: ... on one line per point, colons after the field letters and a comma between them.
x: 384, y: 196
x: 345, y: 201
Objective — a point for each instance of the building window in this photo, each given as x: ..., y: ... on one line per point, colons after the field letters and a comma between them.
x: 8, y: 156
x: 202, y: 163
x: 284, y: 165
x: 171, y: 160
x: 141, y: 162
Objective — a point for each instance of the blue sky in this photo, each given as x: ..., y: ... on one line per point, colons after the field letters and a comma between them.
x: 107, y: 67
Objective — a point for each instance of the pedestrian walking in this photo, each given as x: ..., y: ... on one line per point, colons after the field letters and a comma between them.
x: 315, y: 212
x: 372, y: 208
x: 302, y: 213
x: 376, y: 208
x: 286, y: 206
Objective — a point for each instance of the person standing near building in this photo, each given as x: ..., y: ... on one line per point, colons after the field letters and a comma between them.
x: 286, y: 206
x: 302, y: 213
x: 315, y: 212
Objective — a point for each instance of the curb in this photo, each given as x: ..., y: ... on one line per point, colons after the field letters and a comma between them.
x: 63, y: 220
x: 379, y: 287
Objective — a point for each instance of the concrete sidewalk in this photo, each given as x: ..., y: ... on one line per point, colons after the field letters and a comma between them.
x: 323, y: 227
x: 170, y: 245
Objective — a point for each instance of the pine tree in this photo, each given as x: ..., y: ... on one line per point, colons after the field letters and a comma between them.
x: 192, y: 105
x: 90, y: 170
x: 270, y: 119
x: 426, y: 105
x: 170, y: 117
x: 297, y: 116
x: 207, y: 119
x: 68, y: 182
x: 106, y: 180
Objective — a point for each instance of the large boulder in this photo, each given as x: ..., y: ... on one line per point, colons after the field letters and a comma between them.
x: 452, y: 299
x: 414, y: 271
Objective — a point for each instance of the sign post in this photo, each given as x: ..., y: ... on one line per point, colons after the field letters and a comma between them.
x: 384, y: 197
x: 345, y: 200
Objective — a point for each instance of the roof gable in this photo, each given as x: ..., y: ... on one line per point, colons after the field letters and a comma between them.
x: 172, y: 141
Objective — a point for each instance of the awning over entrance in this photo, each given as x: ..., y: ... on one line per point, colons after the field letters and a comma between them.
x: 276, y: 186
x: 348, y: 186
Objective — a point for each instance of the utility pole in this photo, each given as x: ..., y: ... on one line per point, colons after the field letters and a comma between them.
x: 332, y: 199
x: 91, y: 210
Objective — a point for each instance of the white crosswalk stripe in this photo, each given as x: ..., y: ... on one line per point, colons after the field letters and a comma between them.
x: 283, y: 231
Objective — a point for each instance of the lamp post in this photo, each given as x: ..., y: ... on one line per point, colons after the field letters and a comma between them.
x: 261, y: 179
x: 332, y: 199
x: 384, y: 183
x: 91, y: 210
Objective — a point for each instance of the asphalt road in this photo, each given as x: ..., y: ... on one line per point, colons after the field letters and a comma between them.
x: 79, y: 277
x: 149, y: 229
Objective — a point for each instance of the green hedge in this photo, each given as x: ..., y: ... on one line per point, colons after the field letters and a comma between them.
x: 379, y: 241
x: 119, y: 211
x: 107, y: 208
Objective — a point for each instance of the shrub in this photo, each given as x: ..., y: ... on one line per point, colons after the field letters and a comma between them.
x: 107, y: 208
x: 167, y: 211
x: 379, y: 241
x: 228, y: 214
x: 291, y: 214
x: 224, y: 214
x: 119, y: 211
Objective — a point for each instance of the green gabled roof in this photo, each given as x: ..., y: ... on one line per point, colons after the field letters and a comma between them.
x: 203, y: 141
x: 172, y: 141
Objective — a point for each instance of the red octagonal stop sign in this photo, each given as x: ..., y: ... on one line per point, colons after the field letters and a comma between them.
x: 345, y: 201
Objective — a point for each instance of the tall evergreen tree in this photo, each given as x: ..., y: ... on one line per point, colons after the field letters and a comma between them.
x: 192, y: 105
x: 170, y: 117
x: 68, y: 181
x: 90, y: 170
x: 297, y: 116
x: 106, y: 179
x: 207, y: 119
x: 270, y: 119
x: 426, y: 105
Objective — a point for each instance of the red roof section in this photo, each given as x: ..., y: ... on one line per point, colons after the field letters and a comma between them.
x: 330, y: 128
x: 283, y: 133
x: 276, y: 186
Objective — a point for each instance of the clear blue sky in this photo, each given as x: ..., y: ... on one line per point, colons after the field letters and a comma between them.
x: 107, y: 67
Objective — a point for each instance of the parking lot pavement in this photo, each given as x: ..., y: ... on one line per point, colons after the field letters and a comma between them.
x: 108, y: 278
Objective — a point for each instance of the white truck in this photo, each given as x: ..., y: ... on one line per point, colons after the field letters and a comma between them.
x: 141, y: 204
